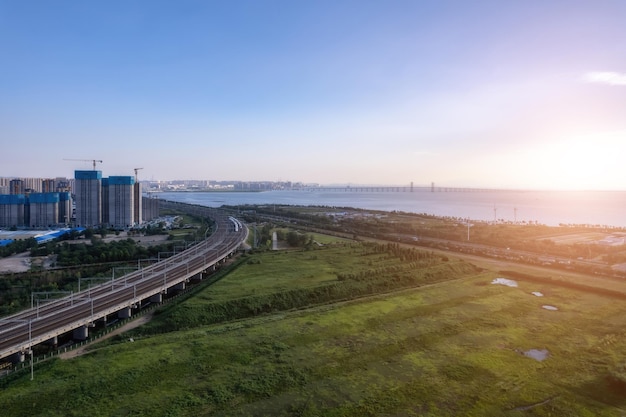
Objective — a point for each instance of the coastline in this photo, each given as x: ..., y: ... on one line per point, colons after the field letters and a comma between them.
x: 208, y: 190
x: 596, y: 208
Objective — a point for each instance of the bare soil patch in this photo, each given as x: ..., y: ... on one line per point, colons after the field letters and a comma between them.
x: 16, y: 263
x: 129, y: 326
x: 142, y: 240
x: 572, y: 238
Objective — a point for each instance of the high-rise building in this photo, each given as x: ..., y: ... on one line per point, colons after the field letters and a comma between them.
x: 121, y: 202
x: 32, y: 185
x: 150, y: 208
x: 105, y: 201
x: 62, y: 184
x: 16, y: 186
x: 12, y: 210
x: 138, y: 203
x: 43, y: 209
x: 88, y: 192
x: 48, y: 186
x: 65, y: 208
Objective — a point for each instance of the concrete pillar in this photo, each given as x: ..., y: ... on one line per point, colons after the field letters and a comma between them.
x: 81, y: 333
x: 53, y: 341
x: 124, y: 313
x: 156, y: 298
x: 18, y: 357
x: 180, y: 286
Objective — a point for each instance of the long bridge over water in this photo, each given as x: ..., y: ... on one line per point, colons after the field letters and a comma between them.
x: 400, y: 189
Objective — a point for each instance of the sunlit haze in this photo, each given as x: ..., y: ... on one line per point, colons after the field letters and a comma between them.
x: 526, y: 94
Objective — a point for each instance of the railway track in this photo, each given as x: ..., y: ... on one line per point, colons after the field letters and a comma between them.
x: 20, y: 332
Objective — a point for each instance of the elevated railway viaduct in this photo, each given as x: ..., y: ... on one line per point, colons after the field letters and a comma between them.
x: 79, y: 311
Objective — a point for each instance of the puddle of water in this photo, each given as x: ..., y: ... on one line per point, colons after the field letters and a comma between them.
x: 505, y: 281
x: 536, y: 354
x: 537, y: 294
x: 552, y: 308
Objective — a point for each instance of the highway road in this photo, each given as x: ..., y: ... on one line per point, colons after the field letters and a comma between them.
x: 18, y: 333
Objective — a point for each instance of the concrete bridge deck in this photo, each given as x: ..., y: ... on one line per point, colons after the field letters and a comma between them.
x: 20, y: 332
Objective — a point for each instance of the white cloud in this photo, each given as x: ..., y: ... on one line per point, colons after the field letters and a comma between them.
x: 611, y: 78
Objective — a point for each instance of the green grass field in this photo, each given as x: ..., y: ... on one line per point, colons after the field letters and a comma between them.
x: 280, y: 270
x: 448, y: 348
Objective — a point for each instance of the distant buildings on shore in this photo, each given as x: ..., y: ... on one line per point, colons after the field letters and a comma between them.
x: 91, y: 200
x: 212, y: 185
x: 87, y: 200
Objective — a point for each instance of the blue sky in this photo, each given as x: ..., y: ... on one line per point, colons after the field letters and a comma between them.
x: 521, y: 94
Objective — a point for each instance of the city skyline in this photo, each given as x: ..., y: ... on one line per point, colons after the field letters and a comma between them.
x: 528, y: 95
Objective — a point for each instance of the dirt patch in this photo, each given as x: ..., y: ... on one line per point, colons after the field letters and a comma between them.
x: 147, y: 240
x: 22, y: 262
x: 572, y: 238
x: 16, y: 263
x: 85, y: 349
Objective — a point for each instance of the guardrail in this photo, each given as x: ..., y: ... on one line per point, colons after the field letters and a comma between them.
x: 20, y: 332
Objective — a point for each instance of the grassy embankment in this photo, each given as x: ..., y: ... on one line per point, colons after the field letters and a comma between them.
x: 453, y: 346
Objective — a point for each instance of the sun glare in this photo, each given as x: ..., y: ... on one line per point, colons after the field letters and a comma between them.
x: 584, y: 162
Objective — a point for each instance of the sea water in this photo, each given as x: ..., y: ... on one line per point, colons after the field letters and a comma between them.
x: 552, y: 208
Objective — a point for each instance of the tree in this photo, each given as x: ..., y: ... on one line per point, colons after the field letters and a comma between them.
x: 296, y: 239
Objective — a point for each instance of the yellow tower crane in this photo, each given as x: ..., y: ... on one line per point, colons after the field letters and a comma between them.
x: 136, y: 169
x: 85, y: 160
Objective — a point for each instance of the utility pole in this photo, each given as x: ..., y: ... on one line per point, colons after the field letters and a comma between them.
x: 30, y: 342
